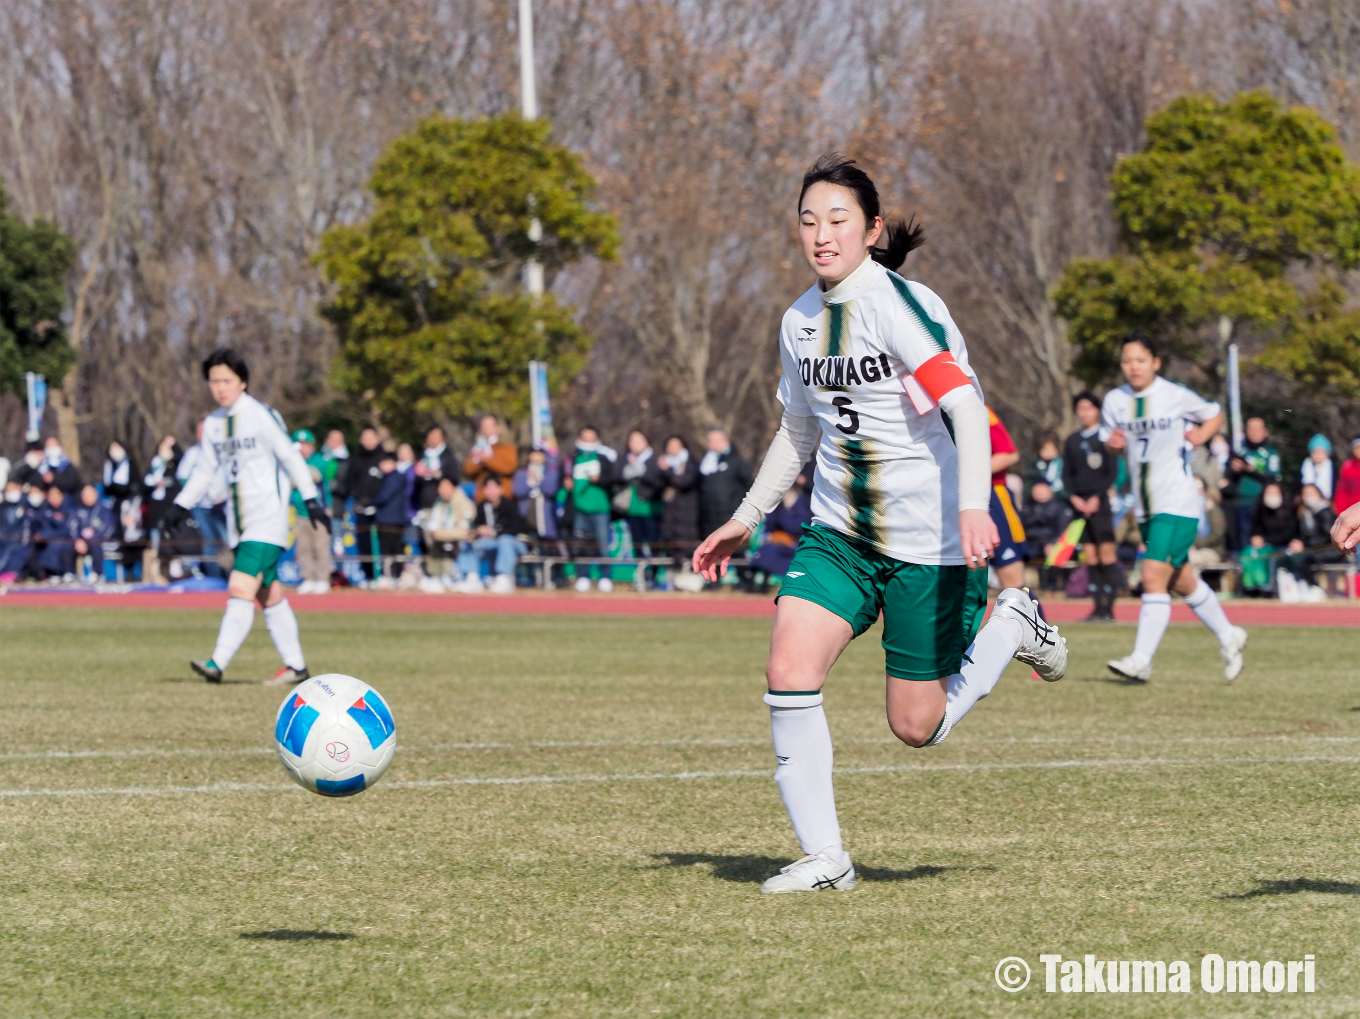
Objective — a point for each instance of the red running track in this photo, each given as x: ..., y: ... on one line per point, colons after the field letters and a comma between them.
x: 1244, y: 613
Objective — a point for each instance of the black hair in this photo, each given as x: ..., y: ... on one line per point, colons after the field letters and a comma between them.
x: 227, y: 358
x: 898, y: 239
x: 640, y: 432
x: 1088, y: 397
x: 1148, y: 344
x: 34, y: 445
x: 490, y: 476
x: 679, y: 438
x: 1045, y: 437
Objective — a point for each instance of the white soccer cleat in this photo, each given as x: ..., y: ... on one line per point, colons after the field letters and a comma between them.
x: 1041, y: 646
x: 815, y: 873
x: 1232, y: 654
x: 1131, y: 668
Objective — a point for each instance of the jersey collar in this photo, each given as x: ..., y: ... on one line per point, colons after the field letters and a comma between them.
x: 846, y: 288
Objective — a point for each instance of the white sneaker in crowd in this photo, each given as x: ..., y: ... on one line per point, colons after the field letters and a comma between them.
x: 471, y: 584
x: 606, y: 585
x: 503, y: 584
x: 431, y: 585
x: 820, y: 872
x: 582, y: 585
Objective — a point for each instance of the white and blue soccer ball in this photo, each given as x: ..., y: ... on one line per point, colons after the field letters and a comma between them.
x: 335, y: 735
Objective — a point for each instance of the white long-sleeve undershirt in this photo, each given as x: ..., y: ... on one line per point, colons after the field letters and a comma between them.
x: 798, y: 436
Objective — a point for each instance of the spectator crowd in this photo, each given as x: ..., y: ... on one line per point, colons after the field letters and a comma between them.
x: 431, y: 519
x: 439, y: 521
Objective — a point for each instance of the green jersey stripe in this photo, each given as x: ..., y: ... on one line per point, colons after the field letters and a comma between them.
x: 932, y: 327
x: 863, y: 493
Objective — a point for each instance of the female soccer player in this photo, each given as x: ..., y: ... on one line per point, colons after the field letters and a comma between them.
x: 247, y: 441
x: 1157, y: 424
x: 871, y: 364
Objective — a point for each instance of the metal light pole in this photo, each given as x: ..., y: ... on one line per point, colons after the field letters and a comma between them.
x: 528, y: 98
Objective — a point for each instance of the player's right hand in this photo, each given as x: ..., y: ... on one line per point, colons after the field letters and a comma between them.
x: 1346, y: 530
x: 712, y: 556
x: 1117, y: 440
x: 978, y: 537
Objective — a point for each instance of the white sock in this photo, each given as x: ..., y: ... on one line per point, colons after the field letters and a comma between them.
x: 236, y: 623
x: 802, y: 746
x: 283, y: 630
x: 1152, y: 621
x: 1206, y: 605
x: 983, y: 663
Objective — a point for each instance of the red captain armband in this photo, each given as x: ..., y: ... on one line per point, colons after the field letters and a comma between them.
x: 941, y: 375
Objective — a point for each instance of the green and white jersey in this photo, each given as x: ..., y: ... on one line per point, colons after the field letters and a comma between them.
x: 871, y: 359
x: 249, y: 444
x: 1158, y: 456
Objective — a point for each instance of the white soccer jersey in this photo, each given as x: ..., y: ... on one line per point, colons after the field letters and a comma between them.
x: 249, y: 443
x: 870, y: 359
x: 1154, y: 423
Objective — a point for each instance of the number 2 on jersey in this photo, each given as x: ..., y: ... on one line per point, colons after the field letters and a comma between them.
x: 843, y: 408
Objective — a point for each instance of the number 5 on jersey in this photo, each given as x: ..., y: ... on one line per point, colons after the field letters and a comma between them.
x: 844, y: 409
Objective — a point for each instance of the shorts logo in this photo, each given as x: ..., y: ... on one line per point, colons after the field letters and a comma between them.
x: 1008, y: 554
x: 792, y: 575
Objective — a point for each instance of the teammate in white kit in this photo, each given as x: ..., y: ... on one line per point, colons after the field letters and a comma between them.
x: 1157, y: 424
x: 871, y: 365
x: 247, y: 440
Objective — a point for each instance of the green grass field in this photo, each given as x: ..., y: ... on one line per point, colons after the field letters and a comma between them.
x: 187, y: 879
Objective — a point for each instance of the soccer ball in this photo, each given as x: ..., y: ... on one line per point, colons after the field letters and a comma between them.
x: 335, y: 735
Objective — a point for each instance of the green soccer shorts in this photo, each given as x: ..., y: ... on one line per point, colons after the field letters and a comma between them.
x: 258, y: 559
x: 1169, y: 538
x: 929, y: 612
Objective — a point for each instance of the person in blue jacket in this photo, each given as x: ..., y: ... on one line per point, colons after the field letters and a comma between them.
x: 14, y: 531
x: 92, y: 524
x: 55, y: 552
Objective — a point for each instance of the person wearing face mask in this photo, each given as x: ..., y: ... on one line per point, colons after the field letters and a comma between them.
x: 28, y: 471
x: 1252, y: 469
x: 57, y: 471
x: 1274, y: 526
x: 14, y: 531
x: 1312, y: 547
x: 120, y: 474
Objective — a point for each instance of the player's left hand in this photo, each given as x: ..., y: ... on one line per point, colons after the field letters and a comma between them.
x: 317, y: 514
x: 1346, y: 530
x: 978, y: 536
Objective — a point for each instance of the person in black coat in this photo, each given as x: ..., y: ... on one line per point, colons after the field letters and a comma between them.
x: 434, y: 465
x: 363, y: 480
x: 92, y: 524
x: 724, y: 479
x: 121, y: 478
x: 496, y: 534
x: 1273, y: 521
x: 679, y: 498
x: 54, y: 550
x: 15, y: 529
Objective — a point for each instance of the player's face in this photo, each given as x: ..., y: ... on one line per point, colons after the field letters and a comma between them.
x: 225, y: 385
x: 835, y: 237
x: 1139, y: 366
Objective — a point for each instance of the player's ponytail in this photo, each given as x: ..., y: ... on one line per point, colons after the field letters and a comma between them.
x: 898, y: 238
